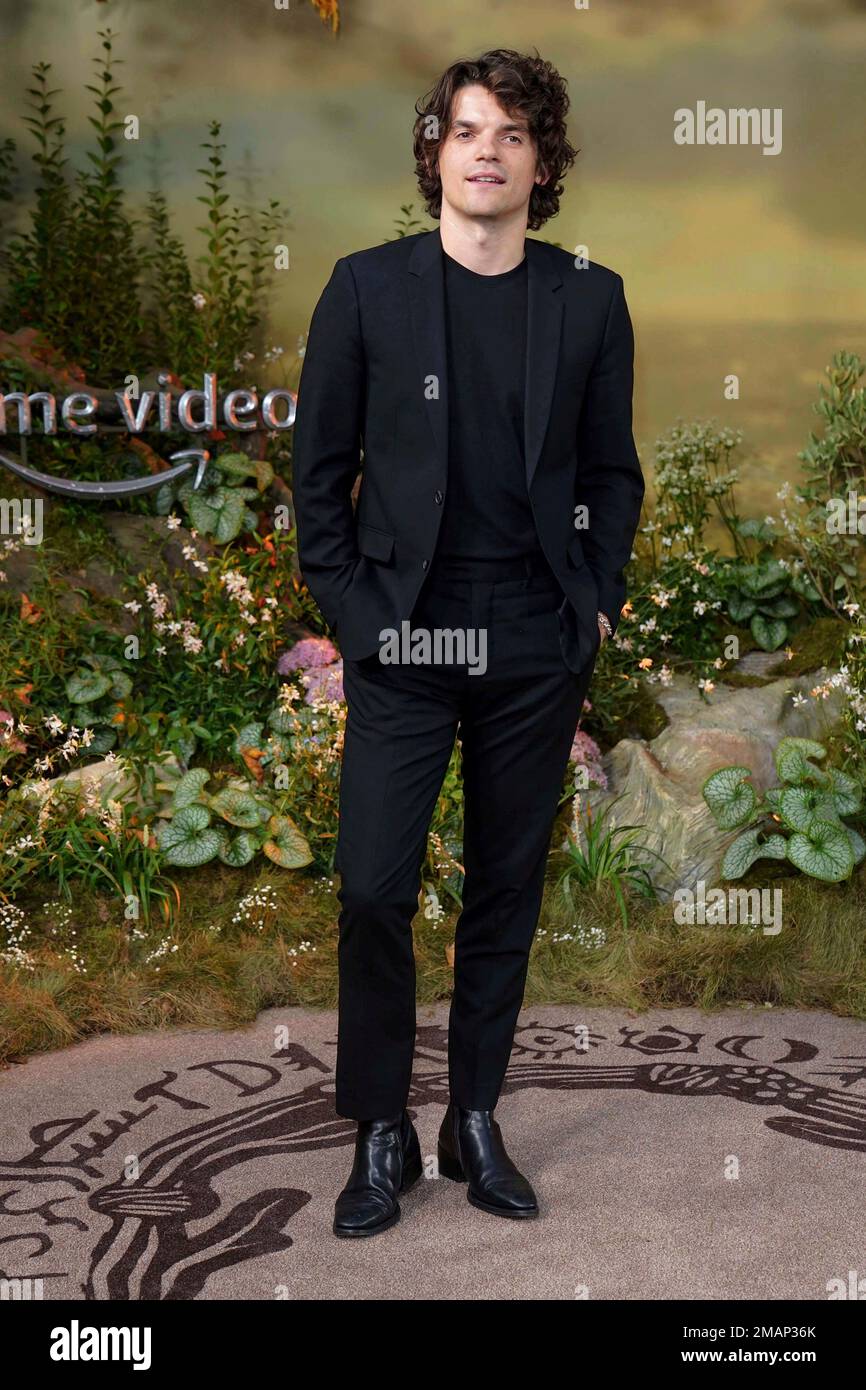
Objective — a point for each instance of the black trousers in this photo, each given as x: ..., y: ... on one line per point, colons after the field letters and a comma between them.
x: 516, y: 722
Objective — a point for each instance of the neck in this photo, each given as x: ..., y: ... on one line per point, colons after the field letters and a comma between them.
x: 489, y: 246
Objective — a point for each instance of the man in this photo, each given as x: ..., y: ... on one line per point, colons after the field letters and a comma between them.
x: 488, y: 379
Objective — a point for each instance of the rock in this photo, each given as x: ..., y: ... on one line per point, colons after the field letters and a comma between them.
x: 660, y: 782
x: 145, y: 542
x: 758, y: 663
x: 108, y: 776
x: 20, y: 568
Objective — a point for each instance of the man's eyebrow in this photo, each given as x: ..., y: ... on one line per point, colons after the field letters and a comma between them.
x: 506, y: 125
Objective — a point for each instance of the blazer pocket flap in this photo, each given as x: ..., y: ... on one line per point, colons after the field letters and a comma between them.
x: 574, y: 551
x: 375, y: 544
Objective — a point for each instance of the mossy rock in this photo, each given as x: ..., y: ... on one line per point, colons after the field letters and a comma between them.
x: 821, y: 643
x: 647, y: 716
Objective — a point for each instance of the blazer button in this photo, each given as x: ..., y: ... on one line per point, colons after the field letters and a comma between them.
x: 424, y: 564
x: 437, y: 497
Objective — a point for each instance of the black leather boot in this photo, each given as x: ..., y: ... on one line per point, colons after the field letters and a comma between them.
x: 471, y: 1150
x: 387, y: 1162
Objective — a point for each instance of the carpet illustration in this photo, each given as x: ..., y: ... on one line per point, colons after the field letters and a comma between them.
x: 675, y: 1154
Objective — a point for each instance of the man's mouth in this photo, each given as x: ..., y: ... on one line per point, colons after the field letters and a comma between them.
x: 485, y: 178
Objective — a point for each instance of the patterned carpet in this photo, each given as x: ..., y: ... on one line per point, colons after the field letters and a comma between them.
x: 675, y: 1155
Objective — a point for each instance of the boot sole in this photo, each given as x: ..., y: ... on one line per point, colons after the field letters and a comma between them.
x: 411, y: 1173
x: 450, y: 1168
x: 526, y: 1214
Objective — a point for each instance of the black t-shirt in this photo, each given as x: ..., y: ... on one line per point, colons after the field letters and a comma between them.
x: 487, y: 511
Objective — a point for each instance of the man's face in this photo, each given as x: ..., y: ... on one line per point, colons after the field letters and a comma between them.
x: 485, y: 140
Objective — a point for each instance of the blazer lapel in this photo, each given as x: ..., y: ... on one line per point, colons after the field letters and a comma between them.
x: 543, y: 330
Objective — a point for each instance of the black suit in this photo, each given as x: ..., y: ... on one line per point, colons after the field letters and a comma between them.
x: 375, y: 358
x: 375, y: 376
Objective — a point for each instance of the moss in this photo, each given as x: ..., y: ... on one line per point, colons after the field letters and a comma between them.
x: 745, y: 679
x: 822, y: 643
x: 646, y: 717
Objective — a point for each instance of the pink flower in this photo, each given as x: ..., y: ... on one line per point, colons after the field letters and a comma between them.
x: 324, y: 683
x: 584, y: 749
x: 306, y: 654
x: 585, y: 752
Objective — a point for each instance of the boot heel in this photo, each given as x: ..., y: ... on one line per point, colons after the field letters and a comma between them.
x: 412, y: 1171
x: 448, y: 1166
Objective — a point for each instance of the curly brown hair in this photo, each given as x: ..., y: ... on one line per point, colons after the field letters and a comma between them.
x: 525, y: 86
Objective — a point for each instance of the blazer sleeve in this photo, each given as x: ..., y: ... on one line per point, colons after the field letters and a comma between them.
x: 327, y: 442
x: 609, y: 481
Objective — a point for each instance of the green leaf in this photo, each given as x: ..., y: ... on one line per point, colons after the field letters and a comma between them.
x: 784, y: 607
x: 87, y: 686
x: 802, y: 585
x: 825, y: 852
x: 121, y: 685
x: 731, y: 799
x: 164, y: 499
x: 763, y: 581
x: 282, y: 721
x: 102, y: 740
x: 183, y: 741
x: 88, y: 716
x: 230, y: 514
x: 740, y: 610
x: 799, y: 806
x: 845, y: 791
x: 203, y: 515
x: 858, y: 844
x: 748, y: 847
x: 189, y: 840
x: 190, y: 788
x: 238, y: 464
x: 792, y: 761
x: 238, y: 808
x: 250, y: 736
x: 287, y: 847
x: 104, y: 662
x: 240, y: 850
x: 769, y: 633
x: 264, y: 474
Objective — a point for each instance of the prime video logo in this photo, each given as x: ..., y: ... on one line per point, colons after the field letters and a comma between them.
x: 737, y: 126
x: 750, y: 906
x: 17, y: 519
x: 438, y: 646
x: 76, y: 1343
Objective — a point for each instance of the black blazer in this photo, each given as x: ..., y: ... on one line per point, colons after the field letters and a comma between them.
x: 375, y: 377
